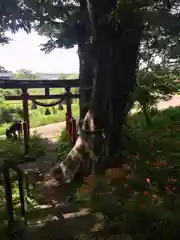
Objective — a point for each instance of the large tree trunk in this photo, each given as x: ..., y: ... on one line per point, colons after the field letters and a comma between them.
x: 86, y: 78
x: 89, y: 143
x: 125, y: 53
x: 85, y: 63
x: 113, y: 79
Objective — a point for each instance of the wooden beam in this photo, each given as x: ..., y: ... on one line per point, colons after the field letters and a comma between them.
x: 47, y: 92
x: 39, y: 97
x: 26, y: 138
x: 14, y: 84
x: 68, y: 102
x: 26, y: 125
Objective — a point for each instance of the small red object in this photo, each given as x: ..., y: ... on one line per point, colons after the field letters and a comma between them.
x: 142, y: 205
x: 146, y: 193
x: 148, y: 180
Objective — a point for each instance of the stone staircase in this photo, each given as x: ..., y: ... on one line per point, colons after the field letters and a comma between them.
x: 56, y: 222
x: 55, y: 217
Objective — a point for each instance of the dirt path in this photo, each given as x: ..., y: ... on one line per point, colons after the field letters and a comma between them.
x: 175, y: 101
x: 50, y: 131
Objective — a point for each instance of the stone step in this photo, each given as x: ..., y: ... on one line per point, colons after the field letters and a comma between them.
x: 68, y: 227
x: 59, y: 211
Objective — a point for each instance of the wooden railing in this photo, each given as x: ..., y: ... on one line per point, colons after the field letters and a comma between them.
x: 10, y: 84
x: 21, y: 178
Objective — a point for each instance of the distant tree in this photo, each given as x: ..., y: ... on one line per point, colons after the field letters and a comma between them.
x: 63, y: 76
x: 73, y: 76
x: 68, y: 76
x: 2, y: 69
x: 4, y: 73
x: 25, y: 74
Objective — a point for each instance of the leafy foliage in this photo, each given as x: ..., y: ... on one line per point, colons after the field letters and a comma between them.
x: 63, y: 146
x: 60, y: 28
x: 154, y: 84
x: 14, y: 151
x: 140, y: 200
x: 15, y: 15
x: 25, y: 74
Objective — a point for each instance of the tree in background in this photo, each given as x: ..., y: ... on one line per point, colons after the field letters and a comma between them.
x: 68, y: 76
x: 4, y: 73
x: 2, y: 69
x: 24, y: 74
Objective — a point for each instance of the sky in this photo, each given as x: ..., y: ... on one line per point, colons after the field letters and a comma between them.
x: 24, y: 53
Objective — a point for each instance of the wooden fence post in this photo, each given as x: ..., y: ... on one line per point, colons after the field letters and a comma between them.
x: 26, y: 110
x: 26, y: 138
x: 68, y: 112
x: 74, y: 131
x: 26, y: 127
x: 68, y: 102
x: 21, y: 194
x: 8, y: 195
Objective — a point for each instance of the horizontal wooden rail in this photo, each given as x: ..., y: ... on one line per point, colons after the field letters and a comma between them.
x: 12, y: 84
x: 40, y: 97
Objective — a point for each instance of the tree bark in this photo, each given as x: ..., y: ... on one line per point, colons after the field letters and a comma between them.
x: 125, y: 54
x: 85, y: 64
x: 88, y: 147
x: 86, y: 78
x: 113, y: 73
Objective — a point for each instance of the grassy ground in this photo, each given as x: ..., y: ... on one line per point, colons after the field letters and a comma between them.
x: 140, y: 201
x: 12, y: 110
x: 14, y: 151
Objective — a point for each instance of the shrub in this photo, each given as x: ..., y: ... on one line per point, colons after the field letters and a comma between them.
x: 14, y: 151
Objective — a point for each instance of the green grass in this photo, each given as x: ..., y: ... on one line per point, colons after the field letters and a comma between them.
x: 162, y: 136
x: 12, y: 110
x: 143, y: 202
x: 39, y: 119
x: 14, y: 151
